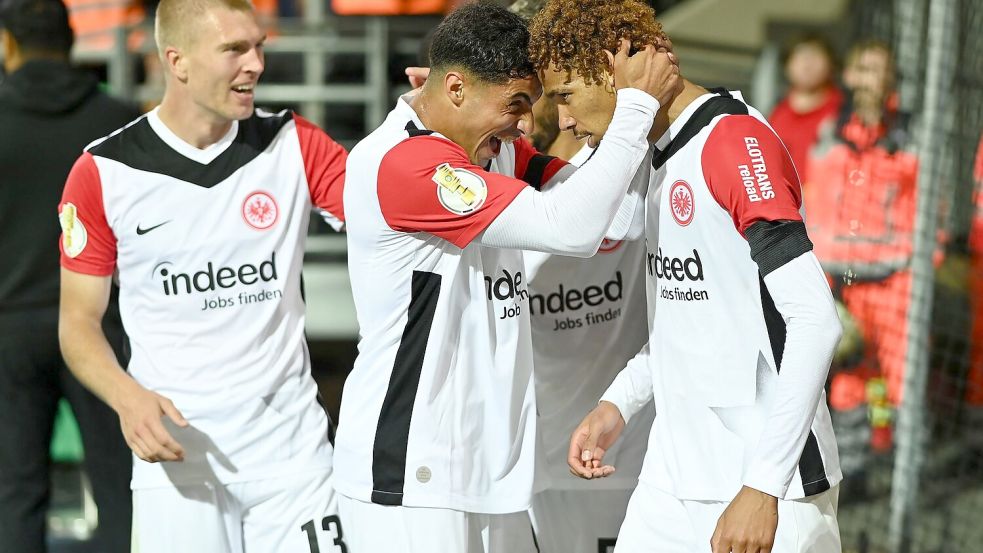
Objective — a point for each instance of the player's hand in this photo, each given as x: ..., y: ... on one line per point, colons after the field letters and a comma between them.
x: 748, y: 524
x: 417, y: 76
x: 589, y: 441
x: 652, y: 69
x: 140, y: 412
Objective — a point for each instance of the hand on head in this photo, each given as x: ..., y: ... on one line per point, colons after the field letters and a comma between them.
x: 417, y: 76
x: 653, y: 69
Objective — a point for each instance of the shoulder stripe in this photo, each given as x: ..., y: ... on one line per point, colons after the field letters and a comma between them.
x: 99, y: 141
x: 722, y: 104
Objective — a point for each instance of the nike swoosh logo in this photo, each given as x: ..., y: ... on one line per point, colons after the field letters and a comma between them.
x: 142, y: 231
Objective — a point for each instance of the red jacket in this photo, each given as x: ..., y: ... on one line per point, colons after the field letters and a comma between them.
x: 799, y: 131
x: 860, y: 199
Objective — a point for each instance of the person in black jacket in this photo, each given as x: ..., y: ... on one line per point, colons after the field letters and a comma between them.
x: 49, y: 111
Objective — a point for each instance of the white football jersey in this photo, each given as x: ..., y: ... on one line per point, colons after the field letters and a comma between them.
x: 208, y: 246
x: 439, y: 410
x: 588, y: 320
x: 716, y: 337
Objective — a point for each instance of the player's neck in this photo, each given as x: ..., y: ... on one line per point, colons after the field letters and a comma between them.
x: 689, y: 94
x: 423, y: 104
x: 188, y: 123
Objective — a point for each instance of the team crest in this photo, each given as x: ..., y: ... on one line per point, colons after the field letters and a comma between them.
x: 460, y: 191
x: 681, y: 202
x: 73, y: 234
x: 260, y: 210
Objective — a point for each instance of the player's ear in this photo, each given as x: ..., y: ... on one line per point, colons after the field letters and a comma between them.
x: 176, y: 63
x: 454, y: 87
x: 609, y: 80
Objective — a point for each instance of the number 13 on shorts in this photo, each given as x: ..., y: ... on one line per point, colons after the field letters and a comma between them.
x: 327, y: 531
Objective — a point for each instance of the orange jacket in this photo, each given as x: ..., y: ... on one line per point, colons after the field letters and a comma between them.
x: 860, y: 199
x: 389, y: 7
x: 95, y: 21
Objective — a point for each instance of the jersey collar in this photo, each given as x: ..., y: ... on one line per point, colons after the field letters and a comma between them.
x: 406, y: 113
x: 688, y: 112
x: 201, y: 155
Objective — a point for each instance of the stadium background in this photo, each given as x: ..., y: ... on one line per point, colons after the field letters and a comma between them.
x: 341, y: 64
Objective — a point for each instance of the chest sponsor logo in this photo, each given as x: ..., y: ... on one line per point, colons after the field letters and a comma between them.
x: 681, y: 202
x: 669, y: 270
x: 754, y: 175
x: 73, y: 234
x: 210, y: 279
x: 260, y: 211
x: 509, y: 288
x: 460, y: 191
x: 608, y: 246
x: 602, y: 303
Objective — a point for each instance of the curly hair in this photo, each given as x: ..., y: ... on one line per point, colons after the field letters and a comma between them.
x: 572, y: 34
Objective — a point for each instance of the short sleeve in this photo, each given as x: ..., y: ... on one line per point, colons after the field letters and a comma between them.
x: 427, y: 184
x: 324, y: 165
x: 749, y: 172
x: 534, y: 168
x: 87, y: 243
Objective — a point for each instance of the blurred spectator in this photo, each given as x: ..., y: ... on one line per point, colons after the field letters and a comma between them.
x: 48, y: 112
x: 861, y: 205
x: 813, y: 97
x: 96, y: 22
x: 860, y: 200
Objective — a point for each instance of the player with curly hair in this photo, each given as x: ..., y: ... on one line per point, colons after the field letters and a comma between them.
x: 742, y: 325
x: 588, y: 319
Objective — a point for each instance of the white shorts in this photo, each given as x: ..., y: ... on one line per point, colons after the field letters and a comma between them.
x: 578, y: 521
x: 295, y: 514
x: 657, y: 521
x: 371, y: 528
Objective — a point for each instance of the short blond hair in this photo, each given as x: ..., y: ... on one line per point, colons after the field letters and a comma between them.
x: 175, y: 22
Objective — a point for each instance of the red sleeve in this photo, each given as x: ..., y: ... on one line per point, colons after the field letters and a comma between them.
x: 427, y: 184
x: 534, y: 168
x: 750, y: 173
x: 324, y: 165
x: 87, y: 243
